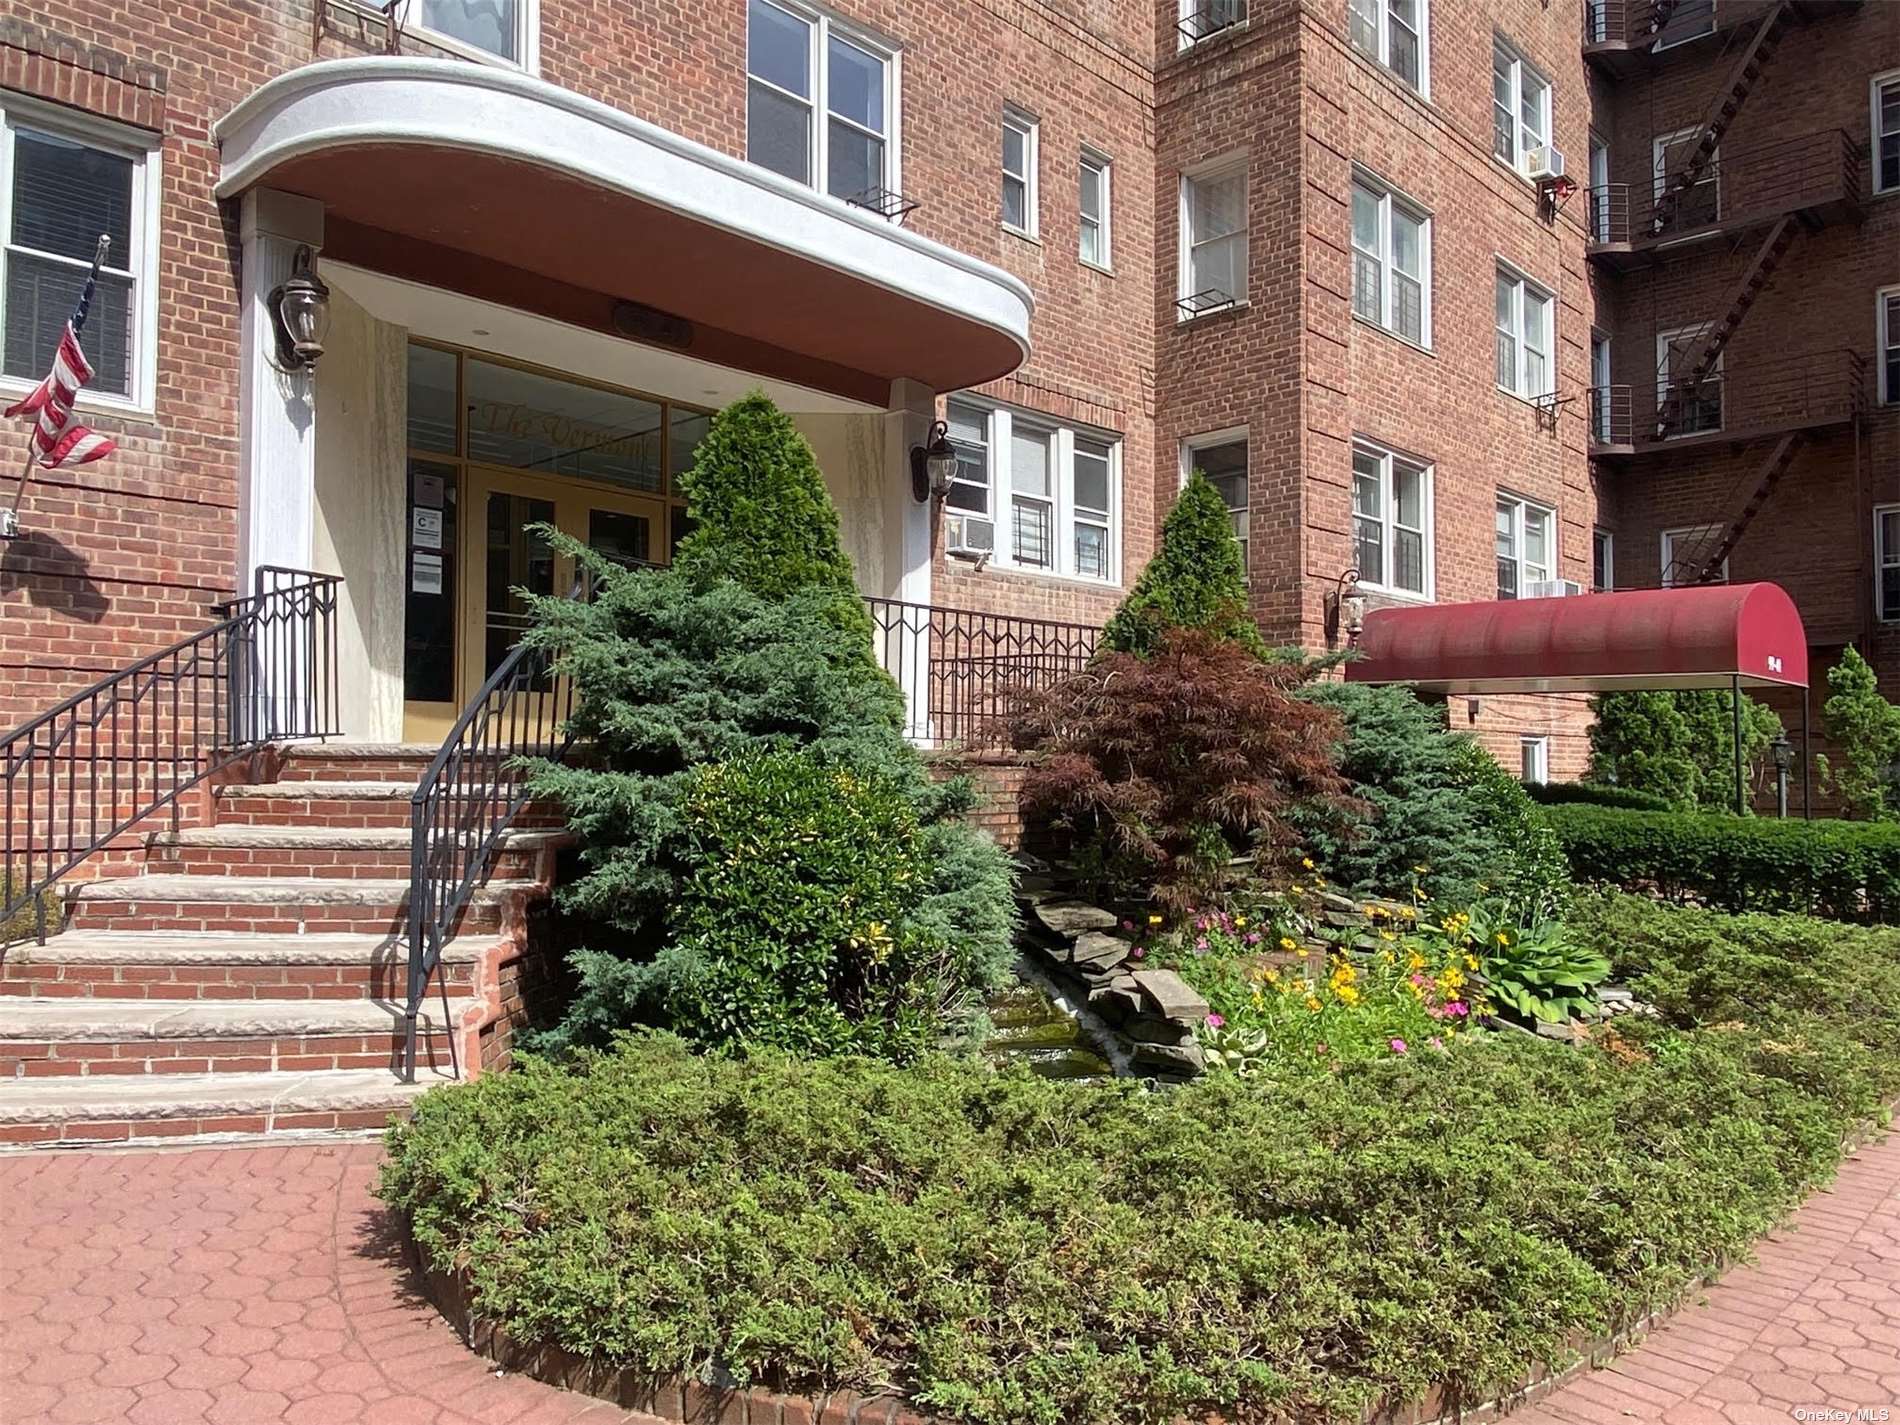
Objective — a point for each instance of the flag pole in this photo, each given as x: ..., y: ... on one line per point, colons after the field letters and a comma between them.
x: 10, y: 517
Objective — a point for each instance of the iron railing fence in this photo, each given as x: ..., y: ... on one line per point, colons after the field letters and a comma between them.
x: 88, y: 770
x: 1785, y: 177
x: 1746, y: 396
x: 1662, y: 23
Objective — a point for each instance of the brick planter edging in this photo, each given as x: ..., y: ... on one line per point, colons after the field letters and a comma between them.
x: 691, y: 1402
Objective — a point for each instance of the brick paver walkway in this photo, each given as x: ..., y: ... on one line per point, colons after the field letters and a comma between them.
x: 245, y: 1286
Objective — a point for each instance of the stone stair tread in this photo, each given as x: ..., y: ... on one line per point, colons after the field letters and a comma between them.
x: 320, y: 790
x: 228, y: 947
x: 361, y: 751
x: 333, y: 838
x: 33, y: 1020
x: 138, y: 1097
x: 271, y: 890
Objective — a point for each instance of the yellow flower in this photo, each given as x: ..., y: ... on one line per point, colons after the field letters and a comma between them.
x: 1347, y: 994
x: 1420, y: 870
x: 1287, y: 942
x: 1273, y: 977
x: 1471, y: 962
x: 1388, y: 935
x: 1503, y: 939
x: 1344, y: 974
x: 1240, y: 922
x: 1154, y: 920
x: 1257, y: 999
x: 1306, y: 862
x: 1312, y: 1004
x: 1297, y: 888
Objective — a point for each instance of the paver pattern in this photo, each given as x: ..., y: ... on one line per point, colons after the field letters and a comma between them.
x: 249, y: 1285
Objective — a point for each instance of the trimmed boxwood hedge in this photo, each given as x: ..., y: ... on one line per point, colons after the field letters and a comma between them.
x: 1591, y: 794
x: 1842, y: 870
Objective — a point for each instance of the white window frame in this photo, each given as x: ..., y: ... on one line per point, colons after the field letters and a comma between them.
x: 1516, y: 67
x: 818, y: 80
x: 1602, y: 424
x: 1389, y: 461
x: 1519, y: 332
x: 1533, y: 758
x: 1887, y: 340
x: 1663, y: 338
x: 1228, y: 166
x: 1692, y: 535
x: 980, y: 415
x: 1390, y: 199
x: 1890, y: 79
x: 1603, y: 540
x: 1002, y: 422
x: 1884, y: 558
x: 1188, y: 9
x: 527, y: 35
x: 1377, y: 15
x: 1015, y: 119
x: 1191, y: 449
x: 1599, y: 194
x: 141, y: 264
x: 1521, y: 508
x: 1096, y: 162
x: 1659, y: 171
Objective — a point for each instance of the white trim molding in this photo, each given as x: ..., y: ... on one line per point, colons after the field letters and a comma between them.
x: 440, y: 103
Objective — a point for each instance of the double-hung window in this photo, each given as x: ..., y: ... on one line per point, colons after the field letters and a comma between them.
x: 1391, y: 262
x: 1391, y: 521
x: 504, y: 30
x: 1520, y: 107
x: 1602, y: 561
x: 1887, y: 327
x: 1093, y: 209
x: 1202, y: 19
x: 1527, y: 546
x: 821, y: 101
x: 1391, y: 32
x: 1525, y: 338
x: 1213, y: 238
x: 1886, y: 136
x: 1887, y: 562
x: 1034, y: 495
x: 1019, y: 172
x: 1533, y: 758
x: 1222, y: 458
x: 1685, y: 554
x: 65, y: 188
x: 1686, y: 408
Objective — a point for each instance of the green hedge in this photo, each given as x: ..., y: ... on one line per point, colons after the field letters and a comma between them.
x: 1591, y: 794
x: 1842, y: 870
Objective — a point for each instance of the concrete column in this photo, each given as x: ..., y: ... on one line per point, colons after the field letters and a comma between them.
x: 905, y: 647
x: 277, y: 426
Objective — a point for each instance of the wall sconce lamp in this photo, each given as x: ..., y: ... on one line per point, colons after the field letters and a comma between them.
x: 1346, y: 608
x: 933, y: 465
x: 300, y: 314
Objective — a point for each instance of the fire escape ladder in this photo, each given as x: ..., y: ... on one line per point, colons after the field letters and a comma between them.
x: 1766, y: 478
x: 1747, y: 69
x: 1699, y: 362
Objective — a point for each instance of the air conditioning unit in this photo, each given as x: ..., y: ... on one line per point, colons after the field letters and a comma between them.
x: 1545, y: 162
x: 1552, y: 589
x: 969, y: 537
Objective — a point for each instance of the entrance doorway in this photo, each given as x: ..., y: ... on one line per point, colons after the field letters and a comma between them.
x: 497, y: 451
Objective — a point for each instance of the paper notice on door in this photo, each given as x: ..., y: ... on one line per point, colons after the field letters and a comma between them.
x: 425, y: 528
x: 425, y: 573
x: 428, y: 490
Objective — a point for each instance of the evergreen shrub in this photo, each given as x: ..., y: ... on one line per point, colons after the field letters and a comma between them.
x: 1864, y: 729
x: 1679, y: 745
x: 1197, y: 580
x: 1595, y: 794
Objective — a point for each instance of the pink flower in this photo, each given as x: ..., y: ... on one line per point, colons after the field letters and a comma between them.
x: 1458, y: 1008
x: 1128, y: 925
x: 1200, y: 945
x: 1140, y: 952
x: 1253, y: 937
x: 1398, y: 1046
x: 1214, y: 1021
x: 1436, y: 1042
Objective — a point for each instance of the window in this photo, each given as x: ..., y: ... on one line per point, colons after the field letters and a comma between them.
x: 1199, y: 19
x: 1093, y: 207
x: 1887, y: 324
x: 485, y: 29
x: 1689, y: 20
x: 1392, y: 32
x: 1213, y: 239
x: 1887, y: 562
x: 1391, y: 521
x: 1683, y: 409
x: 1520, y: 107
x: 1678, y: 207
x: 1527, y: 546
x: 1599, y: 194
x: 1019, y: 172
x: 1602, y: 561
x: 1391, y: 262
x: 1602, y: 412
x: 1222, y: 458
x: 819, y: 101
x: 1533, y: 759
x: 1524, y: 336
x: 1886, y: 142
x: 1686, y: 551
x: 67, y: 187
x: 1055, y: 489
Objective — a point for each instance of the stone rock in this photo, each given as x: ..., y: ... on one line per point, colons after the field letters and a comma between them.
x: 1115, y: 1001
x: 1184, y: 1059
x: 1171, y: 994
x: 1067, y: 919
x: 1151, y: 1029
x: 1611, y: 994
x: 1096, y: 953
x: 1563, y: 1031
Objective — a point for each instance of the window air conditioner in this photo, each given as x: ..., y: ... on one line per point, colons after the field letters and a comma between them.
x: 1545, y: 162
x: 1552, y: 589
x: 968, y: 537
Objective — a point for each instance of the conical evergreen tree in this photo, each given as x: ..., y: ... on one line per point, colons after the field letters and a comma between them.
x: 1196, y: 580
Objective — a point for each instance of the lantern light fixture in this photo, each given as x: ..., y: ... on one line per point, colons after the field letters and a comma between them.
x: 933, y: 465
x: 300, y: 314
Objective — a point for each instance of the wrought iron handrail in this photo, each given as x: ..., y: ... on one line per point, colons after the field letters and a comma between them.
x: 1787, y: 176
x: 89, y: 769
x: 469, y: 797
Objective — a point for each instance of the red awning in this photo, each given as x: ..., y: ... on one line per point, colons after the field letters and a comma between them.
x: 1651, y: 638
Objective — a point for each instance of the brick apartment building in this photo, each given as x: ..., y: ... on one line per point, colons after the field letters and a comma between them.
x: 1300, y: 243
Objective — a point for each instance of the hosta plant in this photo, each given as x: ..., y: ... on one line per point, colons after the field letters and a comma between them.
x: 1536, y: 971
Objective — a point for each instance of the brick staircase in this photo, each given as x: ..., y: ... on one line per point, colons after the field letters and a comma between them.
x: 250, y: 977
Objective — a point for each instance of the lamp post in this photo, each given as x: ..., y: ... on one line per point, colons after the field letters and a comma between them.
x: 1783, y: 752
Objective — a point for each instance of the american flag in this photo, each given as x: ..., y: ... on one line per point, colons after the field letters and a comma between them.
x: 58, y: 438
